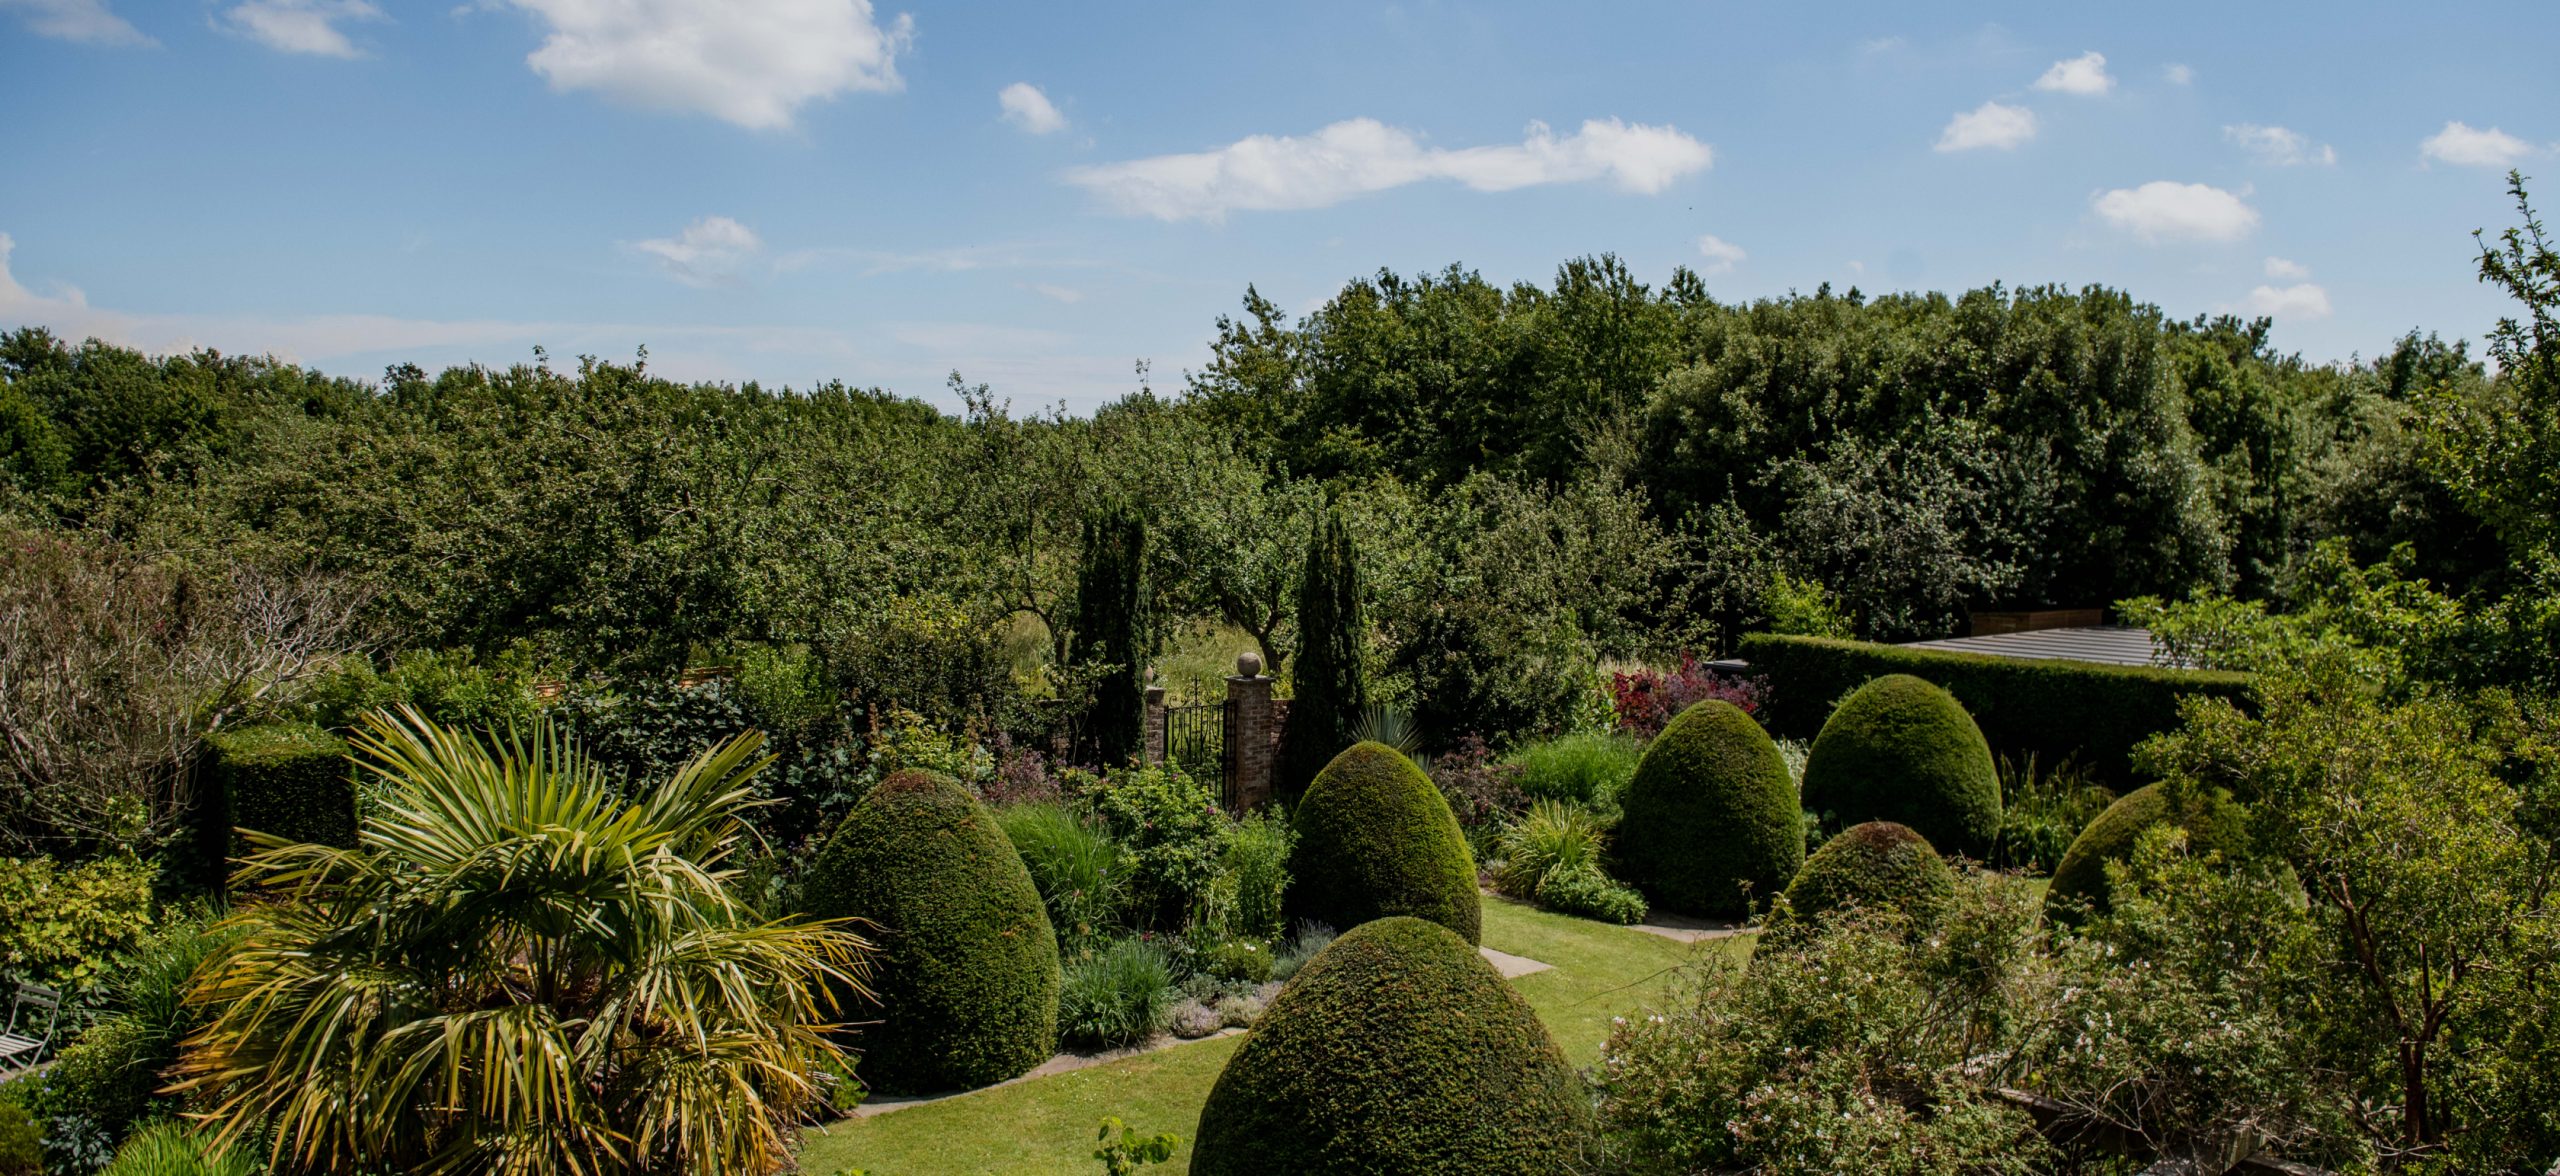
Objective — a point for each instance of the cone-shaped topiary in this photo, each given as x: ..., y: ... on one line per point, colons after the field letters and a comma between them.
x: 1901, y: 749
x: 1397, y: 1050
x: 1711, y: 819
x: 967, y: 975
x: 2213, y: 821
x: 1332, y: 687
x: 1879, y: 866
x: 1376, y: 838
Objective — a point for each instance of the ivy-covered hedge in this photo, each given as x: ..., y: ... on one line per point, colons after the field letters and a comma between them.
x: 1397, y: 1049
x: 291, y: 780
x: 2054, y: 709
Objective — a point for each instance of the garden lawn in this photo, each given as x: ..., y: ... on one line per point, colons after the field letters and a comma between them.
x: 1046, y: 1126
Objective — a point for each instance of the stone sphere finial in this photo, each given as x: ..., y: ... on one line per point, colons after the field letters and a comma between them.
x: 1248, y: 664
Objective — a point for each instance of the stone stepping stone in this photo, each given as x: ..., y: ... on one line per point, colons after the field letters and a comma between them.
x: 1511, y: 966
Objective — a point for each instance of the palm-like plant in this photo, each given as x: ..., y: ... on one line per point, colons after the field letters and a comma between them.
x: 518, y: 971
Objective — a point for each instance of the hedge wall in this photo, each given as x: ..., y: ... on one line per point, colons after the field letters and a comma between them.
x: 2055, y: 709
x: 291, y: 780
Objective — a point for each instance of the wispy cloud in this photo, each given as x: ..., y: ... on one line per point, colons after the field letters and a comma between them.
x: 2278, y: 267
x: 2179, y: 75
x: 301, y: 26
x: 1026, y: 107
x: 1990, y: 125
x: 712, y: 251
x: 754, y: 65
x: 1721, y: 255
x: 1361, y: 156
x: 2462, y: 145
x: 89, y: 22
x: 2278, y: 146
x: 2301, y: 301
x: 2085, y: 75
x: 2164, y: 210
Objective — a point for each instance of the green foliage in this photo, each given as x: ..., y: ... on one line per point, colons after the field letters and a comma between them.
x: 968, y: 981
x: 1241, y: 961
x: 1307, y: 944
x: 453, y: 687
x: 1255, y: 874
x: 1585, y: 768
x: 1111, y: 632
x: 1375, y: 839
x: 289, y: 781
x: 1075, y: 866
x: 644, y: 727
x: 1861, y: 1048
x: 64, y: 928
x: 1711, y: 821
x: 2501, y: 454
x: 2212, y: 821
x: 1803, y: 608
x: 1122, y: 1151
x: 1552, y: 835
x: 1116, y: 997
x: 21, y: 1141
x: 1399, y: 1049
x: 1172, y: 837
x: 2056, y: 710
x: 1330, y: 673
x: 170, y: 1148
x: 2042, y: 811
x: 1901, y: 749
x: 1583, y: 889
x: 1877, y: 866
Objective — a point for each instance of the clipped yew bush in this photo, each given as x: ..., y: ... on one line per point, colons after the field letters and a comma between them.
x: 289, y: 779
x: 967, y: 976
x: 1901, y: 749
x: 2213, y: 821
x: 1879, y: 866
x: 1397, y: 1049
x: 1711, y: 820
x: 1375, y: 839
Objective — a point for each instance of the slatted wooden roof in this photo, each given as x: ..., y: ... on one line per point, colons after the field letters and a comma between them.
x: 2109, y: 646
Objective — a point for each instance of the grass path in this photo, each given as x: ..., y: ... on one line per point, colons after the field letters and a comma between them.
x: 1046, y: 1126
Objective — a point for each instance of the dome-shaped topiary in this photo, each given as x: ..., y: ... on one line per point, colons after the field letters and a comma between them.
x: 1711, y: 819
x: 1375, y: 838
x: 1398, y: 1049
x: 1879, y: 866
x: 967, y: 975
x: 2213, y: 821
x: 1900, y: 749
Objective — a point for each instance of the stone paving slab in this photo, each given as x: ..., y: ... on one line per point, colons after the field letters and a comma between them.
x: 1511, y: 966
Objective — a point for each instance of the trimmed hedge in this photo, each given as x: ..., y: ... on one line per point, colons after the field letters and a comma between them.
x: 2213, y: 821
x: 1375, y: 839
x: 967, y: 976
x: 1397, y: 1049
x: 1901, y: 749
x: 1710, y: 817
x: 1879, y: 866
x: 2055, y: 709
x: 290, y: 779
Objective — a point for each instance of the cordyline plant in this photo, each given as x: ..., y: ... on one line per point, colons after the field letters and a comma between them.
x: 517, y: 971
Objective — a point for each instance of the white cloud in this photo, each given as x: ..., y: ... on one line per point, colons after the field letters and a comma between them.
x: 2179, y: 75
x: 1988, y: 125
x: 2461, y: 145
x: 2299, y: 301
x: 1066, y: 294
x: 301, y: 26
x: 87, y: 21
x: 2278, y: 267
x: 2278, y: 146
x: 750, y: 64
x: 2164, y: 210
x: 1721, y: 255
x: 1026, y: 107
x: 709, y: 252
x: 1362, y: 155
x: 2085, y: 74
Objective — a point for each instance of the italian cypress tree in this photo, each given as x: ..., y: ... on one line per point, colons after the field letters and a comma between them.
x: 1110, y: 630
x: 1331, y: 679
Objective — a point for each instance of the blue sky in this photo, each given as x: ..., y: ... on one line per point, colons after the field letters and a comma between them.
x: 1042, y: 195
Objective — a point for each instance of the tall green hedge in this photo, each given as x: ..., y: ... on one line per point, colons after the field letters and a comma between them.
x: 2054, y: 709
x: 967, y: 977
x: 290, y: 780
x: 1375, y: 839
x: 1399, y: 1050
x: 1711, y: 821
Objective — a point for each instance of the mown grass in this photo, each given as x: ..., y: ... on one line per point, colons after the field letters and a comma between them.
x: 1046, y: 1126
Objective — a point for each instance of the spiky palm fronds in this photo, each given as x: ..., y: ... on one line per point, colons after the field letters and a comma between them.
x: 518, y: 971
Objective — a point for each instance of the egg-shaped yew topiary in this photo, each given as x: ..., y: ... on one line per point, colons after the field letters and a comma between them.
x: 2214, y: 823
x: 1900, y: 749
x: 1710, y: 816
x: 1375, y: 838
x: 967, y: 974
x: 1875, y: 866
x: 1396, y: 1050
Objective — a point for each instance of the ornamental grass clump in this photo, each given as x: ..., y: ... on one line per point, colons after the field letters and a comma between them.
x: 1118, y: 996
x: 1375, y: 839
x: 968, y: 987
x: 516, y: 969
x: 1901, y: 749
x: 1710, y: 818
x: 1398, y: 1049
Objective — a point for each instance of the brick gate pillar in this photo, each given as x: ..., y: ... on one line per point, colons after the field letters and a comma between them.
x: 1252, y: 734
x: 1151, y: 748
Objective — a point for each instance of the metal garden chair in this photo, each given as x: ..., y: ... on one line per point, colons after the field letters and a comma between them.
x: 18, y: 1051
